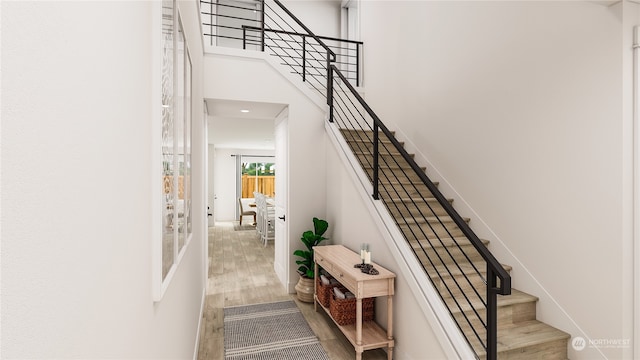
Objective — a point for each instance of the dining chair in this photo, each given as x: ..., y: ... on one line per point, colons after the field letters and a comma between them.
x: 246, y: 213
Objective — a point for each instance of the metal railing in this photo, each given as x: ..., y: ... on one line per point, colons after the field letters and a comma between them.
x: 269, y: 26
x: 297, y: 51
x: 466, y: 275
x: 222, y: 20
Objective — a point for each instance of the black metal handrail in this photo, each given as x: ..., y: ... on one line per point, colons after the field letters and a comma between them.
x: 301, y: 57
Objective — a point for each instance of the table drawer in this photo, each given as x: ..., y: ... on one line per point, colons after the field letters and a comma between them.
x: 324, y: 263
x: 347, y: 281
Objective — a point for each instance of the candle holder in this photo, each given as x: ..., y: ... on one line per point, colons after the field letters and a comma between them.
x: 365, y: 261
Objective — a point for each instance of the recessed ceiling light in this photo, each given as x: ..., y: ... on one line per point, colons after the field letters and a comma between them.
x: 244, y: 111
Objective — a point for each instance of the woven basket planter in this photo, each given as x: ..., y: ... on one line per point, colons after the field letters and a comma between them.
x: 304, y: 289
x: 343, y: 311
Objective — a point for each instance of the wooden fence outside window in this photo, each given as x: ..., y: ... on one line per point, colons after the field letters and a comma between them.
x: 265, y: 185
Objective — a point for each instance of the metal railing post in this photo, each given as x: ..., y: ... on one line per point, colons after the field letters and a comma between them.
x: 262, y: 26
x: 375, y: 161
x: 357, y: 64
x: 244, y: 38
x: 330, y: 90
x: 304, y: 58
x: 492, y: 315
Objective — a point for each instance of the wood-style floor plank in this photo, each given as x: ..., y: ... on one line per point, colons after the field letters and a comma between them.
x: 241, y: 273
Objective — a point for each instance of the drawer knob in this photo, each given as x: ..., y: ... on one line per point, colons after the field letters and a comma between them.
x: 341, y: 275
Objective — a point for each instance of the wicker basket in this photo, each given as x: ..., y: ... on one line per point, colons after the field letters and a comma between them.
x: 323, y: 292
x: 343, y: 311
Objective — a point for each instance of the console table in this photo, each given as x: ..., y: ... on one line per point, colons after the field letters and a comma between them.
x: 338, y: 261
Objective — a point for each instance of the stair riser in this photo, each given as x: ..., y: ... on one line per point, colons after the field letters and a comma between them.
x: 422, y: 231
x: 449, y: 255
x: 510, y: 314
x: 549, y: 350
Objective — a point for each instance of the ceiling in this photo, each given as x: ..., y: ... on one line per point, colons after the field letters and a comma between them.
x: 232, y: 129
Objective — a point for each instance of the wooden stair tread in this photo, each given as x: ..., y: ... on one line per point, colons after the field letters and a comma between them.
x: 460, y: 269
x: 414, y: 199
x: 383, y: 166
x: 516, y: 297
x: 521, y: 335
x: 367, y: 140
x: 444, y: 242
x: 406, y: 182
x: 345, y: 130
x: 424, y: 220
x: 395, y: 152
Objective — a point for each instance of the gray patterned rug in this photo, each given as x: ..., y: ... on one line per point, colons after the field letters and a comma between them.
x: 269, y: 331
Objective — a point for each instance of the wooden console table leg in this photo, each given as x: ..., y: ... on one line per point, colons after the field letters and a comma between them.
x: 390, y: 317
x: 390, y: 325
x: 359, y: 321
x: 315, y: 286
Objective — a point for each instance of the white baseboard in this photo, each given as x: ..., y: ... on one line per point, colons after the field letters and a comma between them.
x: 202, y: 303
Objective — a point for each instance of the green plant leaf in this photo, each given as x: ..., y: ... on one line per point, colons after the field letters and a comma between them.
x: 310, y: 239
x: 310, y: 274
x: 320, y: 226
x: 302, y: 270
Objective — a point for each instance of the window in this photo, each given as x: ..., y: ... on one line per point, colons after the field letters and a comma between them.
x: 258, y: 177
x: 175, y: 175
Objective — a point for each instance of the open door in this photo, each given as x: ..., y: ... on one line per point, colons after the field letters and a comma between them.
x: 281, y: 256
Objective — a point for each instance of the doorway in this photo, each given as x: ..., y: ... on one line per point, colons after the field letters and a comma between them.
x: 249, y: 152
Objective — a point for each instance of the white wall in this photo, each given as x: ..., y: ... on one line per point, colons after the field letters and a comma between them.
x: 322, y: 16
x: 76, y: 214
x: 519, y: 107
x: 236, y: 75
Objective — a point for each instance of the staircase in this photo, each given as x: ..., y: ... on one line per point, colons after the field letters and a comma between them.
x: 453, y: 265
x: 497, y: 320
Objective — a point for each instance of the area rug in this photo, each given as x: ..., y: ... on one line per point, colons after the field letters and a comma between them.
x: 269, y: 331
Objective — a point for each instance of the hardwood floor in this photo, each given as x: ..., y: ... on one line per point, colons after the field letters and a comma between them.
x: 240, y: 273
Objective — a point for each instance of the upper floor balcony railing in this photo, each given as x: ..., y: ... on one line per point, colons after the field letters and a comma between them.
x: 265, y: 26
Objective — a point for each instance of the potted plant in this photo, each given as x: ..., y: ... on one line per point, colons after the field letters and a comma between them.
x: 304, y: 287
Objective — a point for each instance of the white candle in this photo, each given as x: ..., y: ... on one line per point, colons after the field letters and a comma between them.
x: 367, y: 257
x: 362, y: 254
